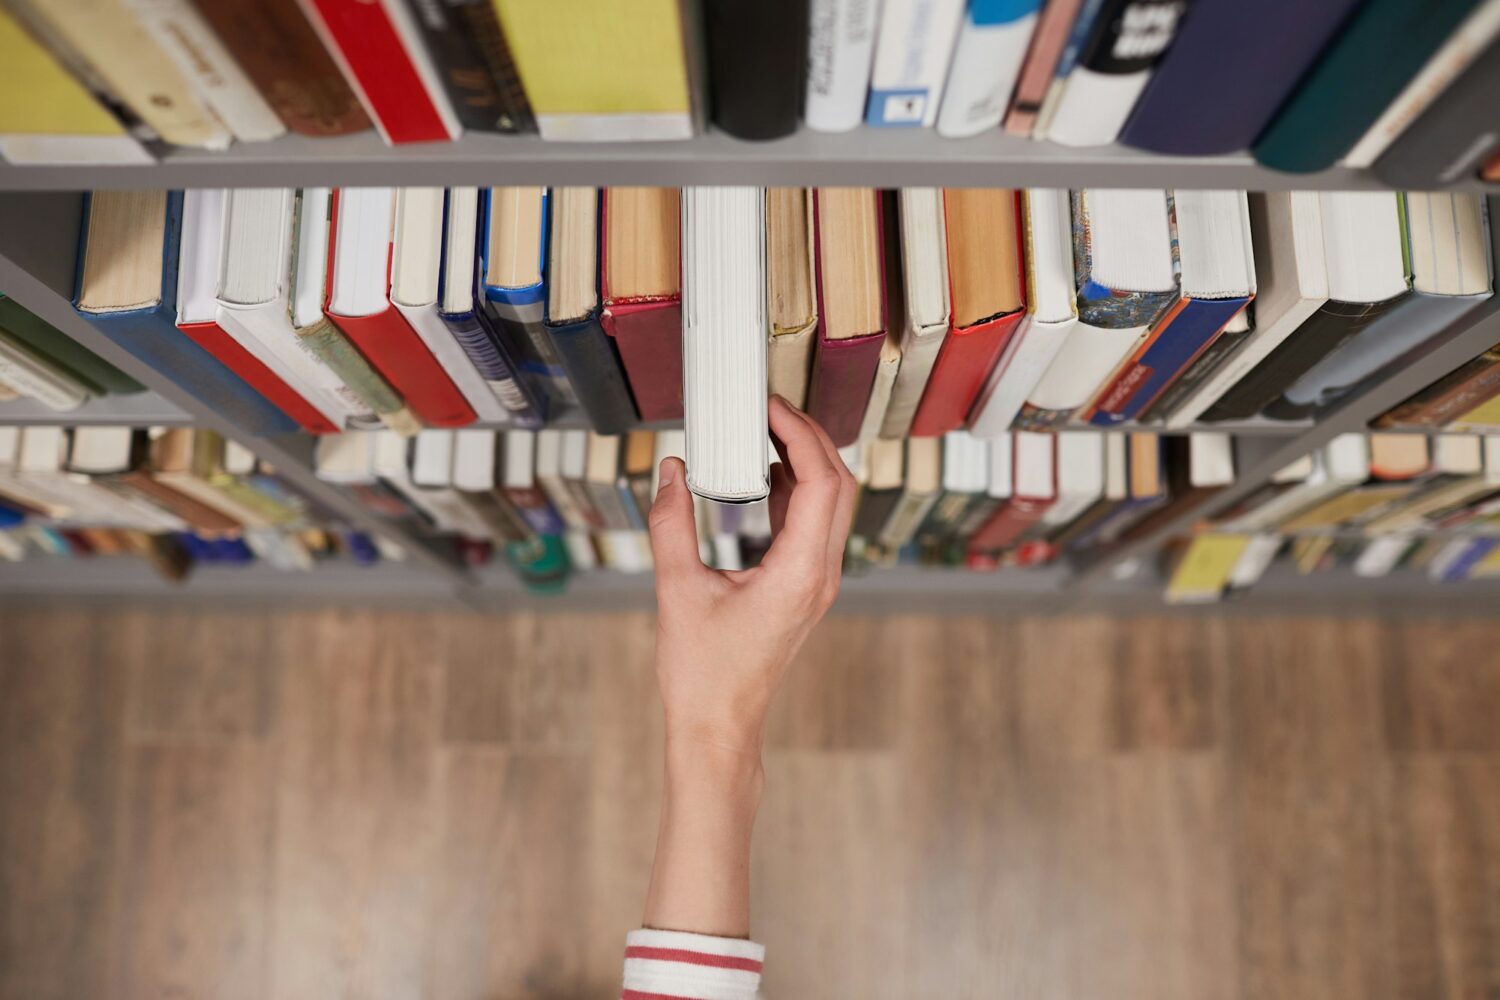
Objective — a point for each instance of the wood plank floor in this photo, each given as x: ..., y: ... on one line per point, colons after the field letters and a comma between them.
x: 352, y: 805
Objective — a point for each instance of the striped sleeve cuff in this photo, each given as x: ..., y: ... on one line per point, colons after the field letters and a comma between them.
x: 672, y: 965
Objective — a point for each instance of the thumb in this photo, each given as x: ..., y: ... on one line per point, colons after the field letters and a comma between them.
x: 674, y: 536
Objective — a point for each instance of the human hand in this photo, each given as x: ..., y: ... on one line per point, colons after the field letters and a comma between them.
x: 724, y: 639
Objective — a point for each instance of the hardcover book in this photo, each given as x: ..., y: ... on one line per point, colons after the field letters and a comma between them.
x: 640, y: 282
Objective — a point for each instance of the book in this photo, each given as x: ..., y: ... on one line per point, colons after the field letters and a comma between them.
x: 791, y: 291
x: 724, y: 343
x: 1054, y: 25
x: 253, y: 294
x: 98, y: 376
x: 127, y: 288
x: 1080, y: 29
x: 1125, y: 274
x: 562, y: 493
x: 912, y: 50
x: 757, y: 64
x: 279, y: 51
x: 1231, y: 68
x: 429, y: 481
x: 1033, y: 491
x: 1450, y: 397
x: 1212, y: 231
x: 106, y: 36
x: 1051, y: 311
x: 199, y: 55
x: 473, y: 476
x: 48, y: 117
x: 992, y: 41
x: 885, y: 467
x: 923, y: 323
x: 1447, y: 260
x: 851, y: 296
x: 1202, y: 574
x: 1339, y: 465
x: 1461, y: 50
x: 1113, y: 493
x: 963, y: 499
x: 457, y: 52
x: 512, y: 262
x: 1482, y: 419
x: 1079, y: 462
x: 1363, y: 240
x: 1453, y: 139
x: 1381, y: 47
x: 920, y: 488
x: 1292, y: 279
x: 38, y: 377
x: 615, y: 510
x: 639, y: 281
x: 887, y: 370
x: 638, y: 468
x: 434, y: 283
x: 379, y: 47
x: 1116, y: 63
x: 483, y: 23
x: 840, y: 52
x: 587, y: 354
x: 1196, y: 468
x: 316, y: 334
x: 358, y: 302
x: 597, y: 70
x: 986, y: 276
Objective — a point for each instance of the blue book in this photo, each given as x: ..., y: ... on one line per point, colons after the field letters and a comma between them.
x: 146, y: 324
x: 1232, y: 66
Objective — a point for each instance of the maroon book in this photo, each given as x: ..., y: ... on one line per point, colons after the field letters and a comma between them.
x: 647, y: 331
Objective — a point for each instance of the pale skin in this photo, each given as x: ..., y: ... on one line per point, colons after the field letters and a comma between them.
x: 724, y: 641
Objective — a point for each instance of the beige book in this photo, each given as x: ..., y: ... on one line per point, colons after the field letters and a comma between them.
x: 641, y: 238
x: 886, y: 372
x: 922, y: 322
x: 109, y: 37
x: 178, y: 460
x: 792, y: 292
x: 1399, y: 456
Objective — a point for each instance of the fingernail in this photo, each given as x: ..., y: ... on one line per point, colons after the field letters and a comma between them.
x: 667, y: 473
x: 777, y: 397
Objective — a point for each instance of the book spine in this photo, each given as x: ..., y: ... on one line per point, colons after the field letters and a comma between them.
x: 963, y: 366
x: 1197, y: 373
x: 593, y: 367
x: 756, y: 65
x: 524, y: 326
x: 233, y: 356
x: 986, y: 60
x: 1450, y: 398
x: 1080, y: 30
x: 649, y: 339
x: 498, y: 371
x: 279, y: 51
x: 328, y: 344
x: 456, y: 56
x: 484, y: 28
x: 397, y: 353
x: 43, y: 382
x: 911, y: 62
x: 841, y: 46
x: 1010, y: 523
x: 1053, y: 26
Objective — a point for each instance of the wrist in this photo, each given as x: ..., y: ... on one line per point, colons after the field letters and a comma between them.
x: 700, y: 763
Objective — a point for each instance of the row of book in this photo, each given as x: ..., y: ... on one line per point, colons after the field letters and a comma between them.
x: 1466, y: 400
x: 883, y: 314
x: 1303, y: 86
x: 40, y: 363
x: 1375, y: 502
x: 178, y: 497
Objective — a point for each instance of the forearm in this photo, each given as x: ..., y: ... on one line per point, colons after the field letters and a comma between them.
x: 700, y: 881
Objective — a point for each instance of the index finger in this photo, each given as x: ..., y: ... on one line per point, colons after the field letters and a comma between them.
x: 814, y: 500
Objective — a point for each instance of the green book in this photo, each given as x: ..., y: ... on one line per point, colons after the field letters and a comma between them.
x: 101, y: 377
x: 1382, y: 47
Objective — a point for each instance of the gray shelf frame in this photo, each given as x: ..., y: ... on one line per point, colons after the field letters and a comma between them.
x: 142, y: 409
x: 867, y: 157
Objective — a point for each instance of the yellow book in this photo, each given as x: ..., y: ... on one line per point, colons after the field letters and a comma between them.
x: 602, y: 70
x: 1488, y: 566
x: 1483, y: 419
x: 46, y: 116
x: 105, y: 35
x: 1205, y: 568
x: 1346, y: 507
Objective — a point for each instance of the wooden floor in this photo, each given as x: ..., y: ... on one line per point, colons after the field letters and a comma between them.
x: 347, y: 805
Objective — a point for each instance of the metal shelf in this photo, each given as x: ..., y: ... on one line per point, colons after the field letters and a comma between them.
x: 864, y: 157
x: 142, y: 409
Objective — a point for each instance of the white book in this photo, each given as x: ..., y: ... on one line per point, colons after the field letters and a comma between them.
x: 841, y: 47
x: 422, y: 245
x: 1342, y: 463
x: 100, y: 451
x: 36, y: 378
x: 1445, y: 65
x: 1210, y: 459
x: 195, y: 49
x: 347, y: 458
x: 442, y: 505
x: 1002, y: 467
x: 551, y: 477
x: 1292, y: 275
x: 724, y: 342
x: 1252, y: 564
x: 924, y: 276
x: 887, y: 371
x: 238, y: 460
x: 1080, y: 476
x: 1051, y: 312
x: 912, y: 51
x: 253, y: 295
x: 432, y: 458
x: 1381, y: 555
x: 473, y: 469
x: 580, y: 548
x: 992, y: 43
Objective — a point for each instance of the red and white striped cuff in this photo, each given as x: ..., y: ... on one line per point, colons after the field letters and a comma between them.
x: 672, y: 965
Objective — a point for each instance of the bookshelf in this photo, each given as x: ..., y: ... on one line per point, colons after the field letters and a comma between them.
x: 40, y: 212
x: 864, y: 157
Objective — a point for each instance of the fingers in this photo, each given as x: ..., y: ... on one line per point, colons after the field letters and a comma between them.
x: 674, y: 535
x: 781, y: 493
x: 818, y: 512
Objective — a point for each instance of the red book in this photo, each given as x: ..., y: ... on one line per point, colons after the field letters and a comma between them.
x: 643, y: 311
x: 848, y: 246
x: 358, y: 302
x: 1034, y: 490
x: 379, y: 49
x: 987, y: 282
x: 212, y: 338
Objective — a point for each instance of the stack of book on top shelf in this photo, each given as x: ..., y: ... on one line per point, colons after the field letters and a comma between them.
x: 886, y: 314
x: 1400, y: 84
x: 1373, y: 503
x: 176, y: 497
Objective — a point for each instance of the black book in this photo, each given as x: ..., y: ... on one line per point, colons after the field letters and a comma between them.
x: 466, y: 43
x: 1324, y: 332
x: 757, y: 64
